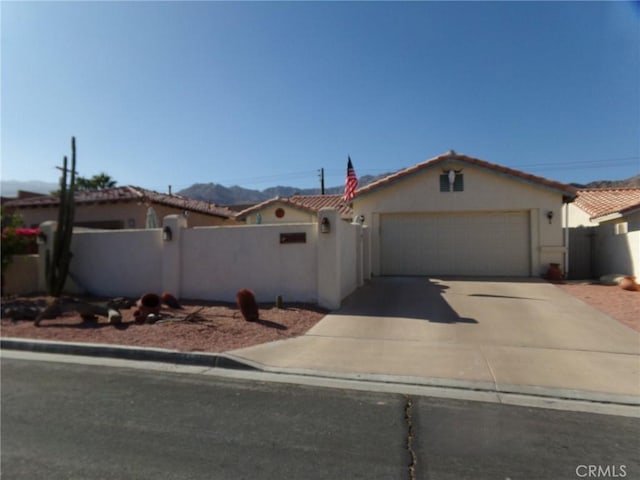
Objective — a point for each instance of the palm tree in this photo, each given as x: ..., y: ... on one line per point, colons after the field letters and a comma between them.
x: 97, y: 182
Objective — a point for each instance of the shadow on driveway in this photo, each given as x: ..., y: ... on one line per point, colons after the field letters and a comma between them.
x: 418, y: 298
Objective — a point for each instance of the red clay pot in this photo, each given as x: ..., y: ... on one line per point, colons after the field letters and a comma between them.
x: 629, y: 283
x: 170, y: 301
x: 554, y: 274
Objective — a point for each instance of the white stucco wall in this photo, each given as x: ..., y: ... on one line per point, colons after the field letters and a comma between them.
x: 578, y: 217
x: 618, y: 252
x: 213, y: 263
x: 349, y: 256
x: 219, y: 261
x: 483, y: 192
x: 118, y: 262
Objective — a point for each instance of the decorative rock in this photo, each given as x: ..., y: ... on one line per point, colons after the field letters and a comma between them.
x: 612, y: 279
x: 120, y: 303
x: 114, y: 317
x: 21, y: 312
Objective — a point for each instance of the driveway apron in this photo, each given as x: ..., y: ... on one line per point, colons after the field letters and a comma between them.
x: 505, y: 335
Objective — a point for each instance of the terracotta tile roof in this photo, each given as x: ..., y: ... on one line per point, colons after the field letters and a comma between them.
x: 567, y: 190
x: 598, y: 202
x: 310, y: 203
x: 127, y: 194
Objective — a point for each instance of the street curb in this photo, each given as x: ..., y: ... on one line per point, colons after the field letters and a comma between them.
x: 456, y: 384
x: 233, y: 362
x: 210, y: 360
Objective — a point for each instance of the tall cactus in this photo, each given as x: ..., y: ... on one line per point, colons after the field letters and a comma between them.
x: 58, y: 263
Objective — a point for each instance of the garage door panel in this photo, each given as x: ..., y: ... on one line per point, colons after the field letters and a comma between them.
x: 489, y: 243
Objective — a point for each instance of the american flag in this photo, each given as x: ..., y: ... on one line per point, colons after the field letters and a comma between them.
x: 351, y: 183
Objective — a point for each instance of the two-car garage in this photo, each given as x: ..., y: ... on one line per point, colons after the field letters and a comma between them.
x: 455, y: 243
x: 460, y: 216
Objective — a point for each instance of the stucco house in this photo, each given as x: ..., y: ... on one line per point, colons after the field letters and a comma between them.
x: 458, y: 215
x: 294, y: 209
x: 120, y: 208
x: 605, y: 232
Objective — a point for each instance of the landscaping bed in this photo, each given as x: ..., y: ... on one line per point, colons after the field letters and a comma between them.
x: 622, y: 305
x: 197, y: 327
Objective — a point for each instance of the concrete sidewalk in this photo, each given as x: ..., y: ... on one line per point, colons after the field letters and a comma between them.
x: 512, y: 336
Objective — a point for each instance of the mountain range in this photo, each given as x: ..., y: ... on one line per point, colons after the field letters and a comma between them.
x: 236, y: 195
x: 221, y: 195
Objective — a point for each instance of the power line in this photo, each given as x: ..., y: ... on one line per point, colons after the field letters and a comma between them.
x: 338, y: 173
x: 588, y: 163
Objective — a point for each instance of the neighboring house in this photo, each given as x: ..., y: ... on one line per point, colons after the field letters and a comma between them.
x: 294, y: 209
x: 120, y: 207
x: 457, y: 215
x: 605, y: 232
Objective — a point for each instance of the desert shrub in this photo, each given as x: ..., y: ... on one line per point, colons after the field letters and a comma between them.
x: 16, y: 240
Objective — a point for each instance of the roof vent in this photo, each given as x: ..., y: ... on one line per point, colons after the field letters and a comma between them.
x: 451, y: 152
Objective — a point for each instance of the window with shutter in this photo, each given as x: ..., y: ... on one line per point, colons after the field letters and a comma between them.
x: 458, y: 183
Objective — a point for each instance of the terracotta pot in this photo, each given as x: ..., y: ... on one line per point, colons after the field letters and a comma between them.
x: 170, y: 300
x: 150, y: 300
x: 149, y: 304
x: 554, y: 274
x: 629, y: 283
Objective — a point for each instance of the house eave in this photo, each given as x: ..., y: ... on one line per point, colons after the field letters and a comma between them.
x: 568, y: 196
x: 615, y: 215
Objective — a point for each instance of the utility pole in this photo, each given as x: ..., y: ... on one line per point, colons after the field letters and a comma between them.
x: 64, y: 169
x: 322, y: 181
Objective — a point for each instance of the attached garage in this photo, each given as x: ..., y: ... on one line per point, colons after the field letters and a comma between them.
x: 458, y: 215
x: 455, y: 243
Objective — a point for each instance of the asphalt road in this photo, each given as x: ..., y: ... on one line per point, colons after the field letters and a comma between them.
x: 70, y: 421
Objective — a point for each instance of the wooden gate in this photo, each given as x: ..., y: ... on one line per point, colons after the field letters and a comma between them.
x: 582, y: 253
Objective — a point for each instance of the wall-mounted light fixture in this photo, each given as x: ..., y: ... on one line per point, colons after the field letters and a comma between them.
x: 550, y: 216
x: 325, y: 225
x: 167, y: 234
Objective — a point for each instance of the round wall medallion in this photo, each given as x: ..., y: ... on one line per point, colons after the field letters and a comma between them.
x: 279, y: 212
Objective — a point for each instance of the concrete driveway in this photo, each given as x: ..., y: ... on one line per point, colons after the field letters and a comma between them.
x: 516, y: 336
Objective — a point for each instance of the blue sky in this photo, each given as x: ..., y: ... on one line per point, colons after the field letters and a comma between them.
x: 266, y: 93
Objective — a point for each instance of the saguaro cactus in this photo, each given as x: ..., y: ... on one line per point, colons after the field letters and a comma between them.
x: 60, y: 258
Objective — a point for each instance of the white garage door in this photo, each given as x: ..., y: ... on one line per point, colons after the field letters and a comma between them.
x: 467, y: 243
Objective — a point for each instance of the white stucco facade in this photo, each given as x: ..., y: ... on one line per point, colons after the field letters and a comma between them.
x: 279, y: 213
x: 486, y: 194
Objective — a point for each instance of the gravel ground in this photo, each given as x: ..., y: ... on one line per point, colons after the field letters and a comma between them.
x: 211, y: 327
x: 619, y: 304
